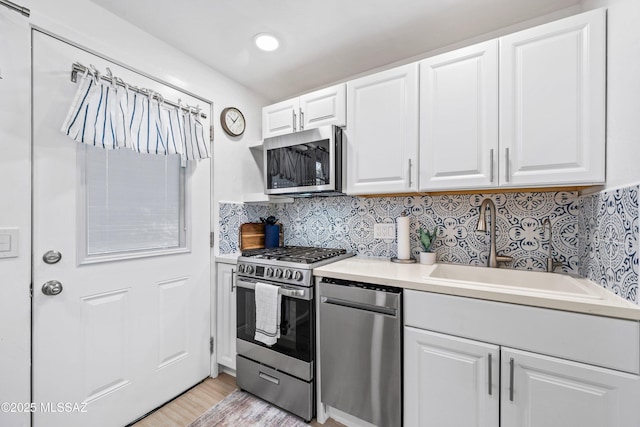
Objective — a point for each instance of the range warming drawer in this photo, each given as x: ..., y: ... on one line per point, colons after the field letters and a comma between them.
x: 285, y: 391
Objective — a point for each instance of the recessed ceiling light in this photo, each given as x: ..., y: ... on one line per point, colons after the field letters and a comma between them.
x: 266, y: 42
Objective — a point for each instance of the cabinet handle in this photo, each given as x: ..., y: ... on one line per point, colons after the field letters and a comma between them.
x: 507, y: 171
x: 491, y: 165
x: 301, y: 119
x: 294, y: 120
x: 233, y: 282
x: 490, y: 375
x: 511, y: 367
x: 410, y: 183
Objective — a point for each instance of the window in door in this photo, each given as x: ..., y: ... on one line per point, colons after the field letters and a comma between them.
x: 134, y: 205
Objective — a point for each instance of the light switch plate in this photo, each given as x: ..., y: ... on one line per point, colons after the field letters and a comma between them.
x: 384, y: 231
x: 8, y: 242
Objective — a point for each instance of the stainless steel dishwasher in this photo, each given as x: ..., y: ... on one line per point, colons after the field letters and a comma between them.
x: 361, y: 350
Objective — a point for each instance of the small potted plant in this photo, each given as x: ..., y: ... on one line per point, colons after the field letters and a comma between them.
x: 426, y: 240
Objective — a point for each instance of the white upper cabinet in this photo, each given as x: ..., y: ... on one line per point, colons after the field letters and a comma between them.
x: 280, y: 118
x: 322, y: 107
x: 552, y: 103
x: 459, y: 118
x: 382, y: 132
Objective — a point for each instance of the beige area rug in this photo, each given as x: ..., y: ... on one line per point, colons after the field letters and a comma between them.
x: 241, y: 409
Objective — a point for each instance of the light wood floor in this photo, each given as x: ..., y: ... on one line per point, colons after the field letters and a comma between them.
x: 190, y: 405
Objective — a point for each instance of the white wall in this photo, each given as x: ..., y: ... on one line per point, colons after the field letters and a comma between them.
x: 15, y: 199
x: 623, y: 90
x: 91, y: 27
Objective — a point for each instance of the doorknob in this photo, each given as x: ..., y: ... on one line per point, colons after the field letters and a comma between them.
x: 51, y: 257
x: 52, y: 287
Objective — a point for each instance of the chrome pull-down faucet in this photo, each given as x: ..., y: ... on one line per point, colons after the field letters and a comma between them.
x: 494, y: 258
x: 551, y: 264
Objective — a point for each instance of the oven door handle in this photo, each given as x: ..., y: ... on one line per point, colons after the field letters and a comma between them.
x: 294, y: 293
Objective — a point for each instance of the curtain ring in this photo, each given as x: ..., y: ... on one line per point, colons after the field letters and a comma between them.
x: 96, y: 73
x: 181, y: 108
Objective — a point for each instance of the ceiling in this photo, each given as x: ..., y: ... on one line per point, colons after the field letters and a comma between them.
x: 322, y: 41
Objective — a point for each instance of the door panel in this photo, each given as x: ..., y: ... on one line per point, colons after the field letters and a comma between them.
x: 552, y: 102
x: 382, y: 135
x: 280, y: 118
x: 550, y: 392
x: 128, y: 332
x: 450, y: 381
x: 226, y: 325
x: 173, y: 321
x: 459, y: 118
x: 324, y: 107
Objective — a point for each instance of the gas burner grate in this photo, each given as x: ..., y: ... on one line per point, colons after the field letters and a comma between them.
x: 299, y: 254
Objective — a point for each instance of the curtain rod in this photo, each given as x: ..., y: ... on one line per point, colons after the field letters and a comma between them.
x: 23, y: 10
x: 79, y: 68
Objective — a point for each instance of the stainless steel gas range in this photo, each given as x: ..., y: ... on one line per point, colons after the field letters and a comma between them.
x: 283, y: 374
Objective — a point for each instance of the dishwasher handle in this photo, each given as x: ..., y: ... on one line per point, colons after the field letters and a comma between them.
x: 377, y: 309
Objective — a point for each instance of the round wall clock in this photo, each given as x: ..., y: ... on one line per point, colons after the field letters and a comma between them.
x: 232, y: 121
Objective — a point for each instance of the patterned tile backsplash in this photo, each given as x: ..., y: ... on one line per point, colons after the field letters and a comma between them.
x: 347, y: 222
x: 595, y: 236
x: 608, y: 240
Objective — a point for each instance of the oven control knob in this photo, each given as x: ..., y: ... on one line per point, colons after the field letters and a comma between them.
x: 287, y: 274
x: 240, y: 268
x: 269, y: 272
x: 297, y: 275
x: 278, y: 273
x: 248, y: 269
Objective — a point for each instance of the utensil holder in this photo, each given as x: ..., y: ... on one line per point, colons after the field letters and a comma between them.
x: 271, y: 235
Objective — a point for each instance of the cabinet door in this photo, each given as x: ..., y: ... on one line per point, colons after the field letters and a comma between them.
x: 382, y: 132
x: 226, y: 315
x: 280, y: 118
x: 541, y: 391
x: 324, y: 107
x: 552, y: 103
x: 449, y: 381
x: 459, y: 118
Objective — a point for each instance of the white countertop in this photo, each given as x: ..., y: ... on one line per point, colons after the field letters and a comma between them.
x: 588, y: 297
x: 227, y: 258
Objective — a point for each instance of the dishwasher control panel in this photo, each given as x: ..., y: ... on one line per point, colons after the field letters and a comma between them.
x: 369, y: 286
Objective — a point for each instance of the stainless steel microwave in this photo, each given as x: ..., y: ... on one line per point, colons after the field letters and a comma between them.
x: 304, y: 163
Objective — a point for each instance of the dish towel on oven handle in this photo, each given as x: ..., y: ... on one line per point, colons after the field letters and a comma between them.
x: 268, y: 309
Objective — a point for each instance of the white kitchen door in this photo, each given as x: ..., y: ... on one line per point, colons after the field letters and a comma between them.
x: 130, y: 329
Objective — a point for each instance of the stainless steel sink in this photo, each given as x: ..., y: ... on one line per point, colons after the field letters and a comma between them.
x: 519, y: 281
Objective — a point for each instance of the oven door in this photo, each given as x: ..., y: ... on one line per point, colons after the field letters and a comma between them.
x: 295, y: 349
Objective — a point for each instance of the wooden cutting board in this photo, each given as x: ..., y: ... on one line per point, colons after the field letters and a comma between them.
x: 252, y: 235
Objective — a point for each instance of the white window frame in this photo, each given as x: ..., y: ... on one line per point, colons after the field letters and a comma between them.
x: 84, y: 258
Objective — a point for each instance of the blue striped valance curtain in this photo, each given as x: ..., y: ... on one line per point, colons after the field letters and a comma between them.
x: 109, y: 114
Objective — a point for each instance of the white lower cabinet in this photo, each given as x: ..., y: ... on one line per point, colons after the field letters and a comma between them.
x: 226, y: 315
x: 542, y: 391
x: 450, y: 381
